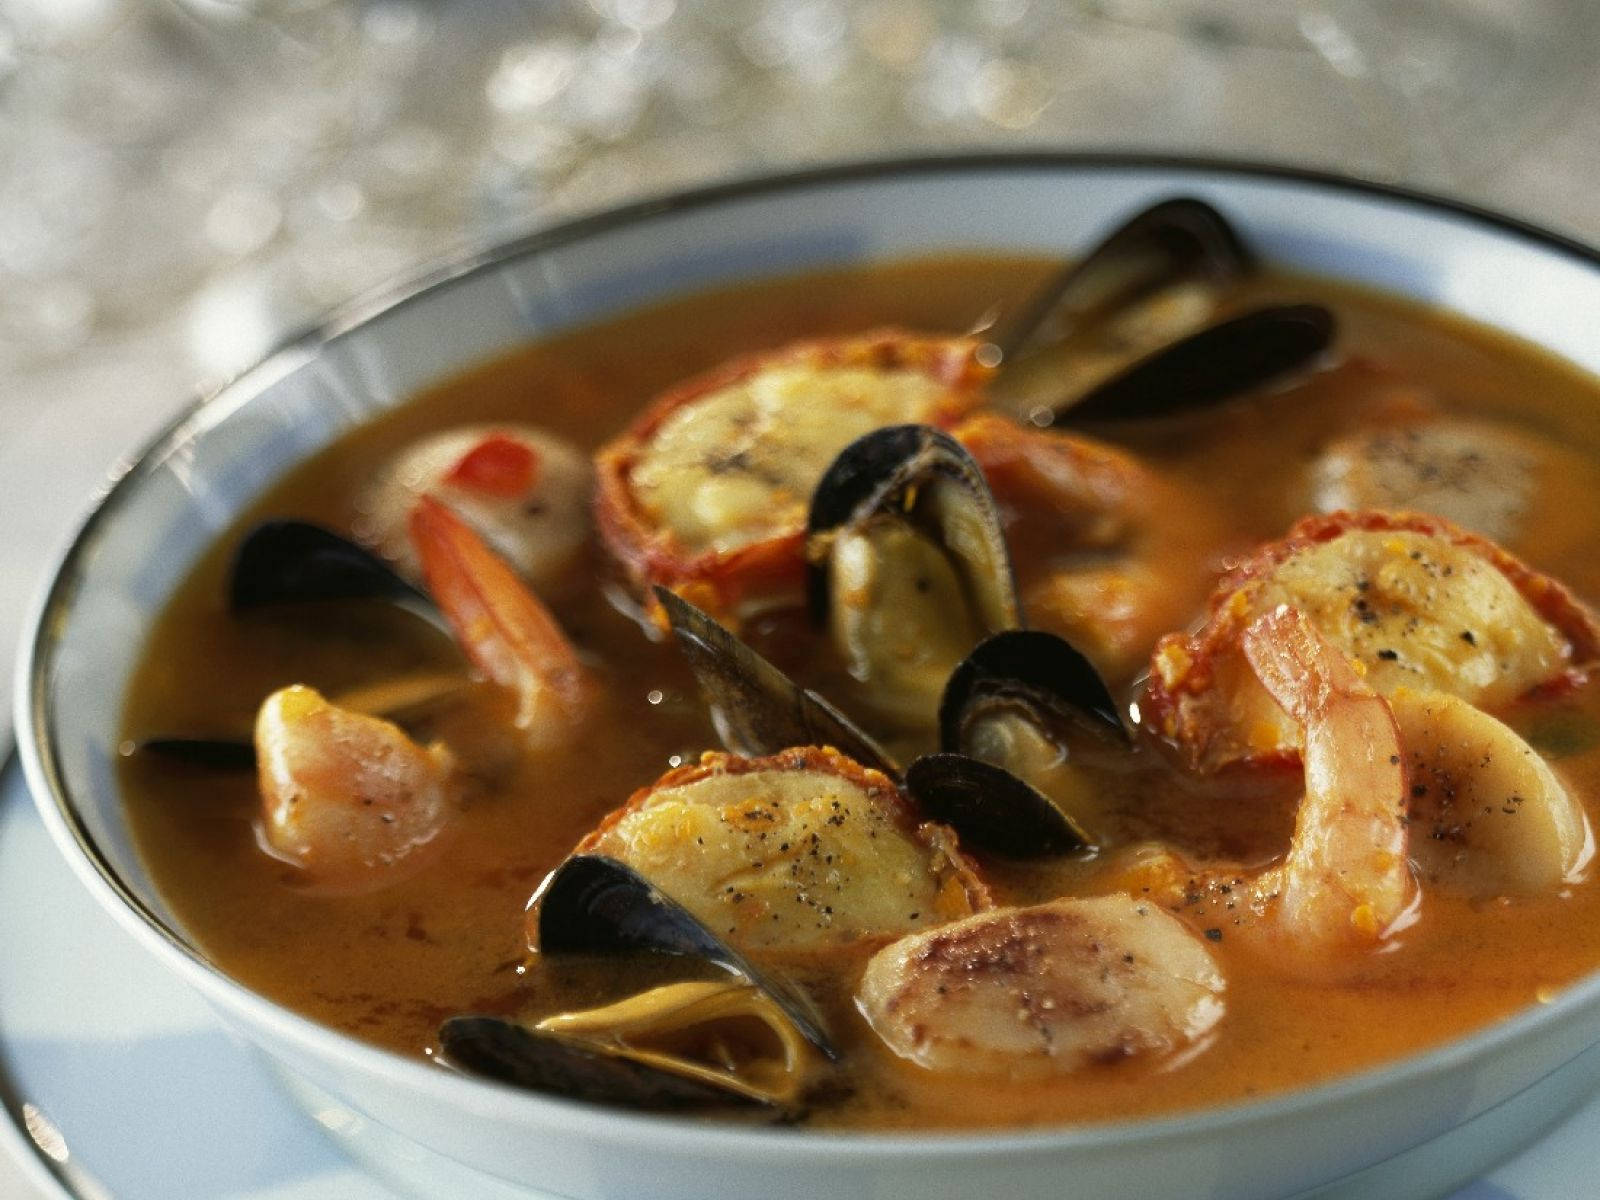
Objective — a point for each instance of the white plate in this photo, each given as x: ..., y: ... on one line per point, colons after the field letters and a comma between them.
x: 154, y: 1099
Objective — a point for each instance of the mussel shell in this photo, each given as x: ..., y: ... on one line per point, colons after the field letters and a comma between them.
x: 761, y: 710
x: 511, y: 1053
x: 991, y: 808
x: 592, y: 904
x: 1220, y: 361
x: 394, y: 700
x: 875, y: 471
x: 297, y: 562
x: 1031, y: 665
x: 1179, y: 238
x: 216, y: 754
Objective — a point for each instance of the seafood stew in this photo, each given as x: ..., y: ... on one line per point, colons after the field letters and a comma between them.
x: 1152, y: 874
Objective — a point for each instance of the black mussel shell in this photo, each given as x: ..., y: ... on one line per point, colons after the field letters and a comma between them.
x: 217, y: 754
x: 503, y: 1050
x: 1029, y: 665
x: 297, y: 562
x: 592, y: 904
x: 1220, y: 361
x: 1180, y: 238
x: 761, y: 710
x: 877, y: 472
x: 990, y: 807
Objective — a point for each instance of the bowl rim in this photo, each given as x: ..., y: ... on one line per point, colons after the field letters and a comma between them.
x: 62, y: 581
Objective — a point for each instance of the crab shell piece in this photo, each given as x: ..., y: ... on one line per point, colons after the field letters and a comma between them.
x: 742, y: 569
x: 796, y: 852
x: 1414, y: 600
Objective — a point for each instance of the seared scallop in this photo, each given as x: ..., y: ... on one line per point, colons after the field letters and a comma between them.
x: 706, y: 493
x: 1478, y: 474
x: 799, y: 851
x: 1047, y: 989
x: 1488, y: 816
x: 1416, y: 601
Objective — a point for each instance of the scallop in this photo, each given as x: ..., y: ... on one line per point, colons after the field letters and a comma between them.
x: 1050, y: 989
x: 1488, y: 816
x: 1416, y: 601
x: 801, y: 851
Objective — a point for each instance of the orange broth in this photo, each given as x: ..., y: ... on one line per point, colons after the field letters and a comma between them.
x: 387, y: 967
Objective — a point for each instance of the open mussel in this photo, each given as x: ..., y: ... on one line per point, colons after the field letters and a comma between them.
x: 1014, y: 719
x: 1030, y: 673
x: 1131, y: 330
x: 692, y: 1044
x: 908, y: 565
x: 1172, y: 241
x: 212, y: 753
x: 592, y: 904
x: 757, y: 709
x: 744, y: 1038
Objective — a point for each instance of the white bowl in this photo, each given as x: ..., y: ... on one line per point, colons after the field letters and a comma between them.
x: 1509, y: 1081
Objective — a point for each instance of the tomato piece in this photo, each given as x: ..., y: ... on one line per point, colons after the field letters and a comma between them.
x: 500, y: 465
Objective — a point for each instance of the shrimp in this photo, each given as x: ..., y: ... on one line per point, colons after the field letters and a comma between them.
x: 501, y: 625
x: 524, y: 491
x: 1345, y: 882
x: 347, y: 797
x: 1048, y: 989
x: 1346, y: 875
x: 1416, y: 601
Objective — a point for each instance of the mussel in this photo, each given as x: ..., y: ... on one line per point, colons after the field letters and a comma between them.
x: 744, y: 1038
x: 286, y: 562
x: 297, y: 562
x: 696, y: 1043
x: 1014, y: 717
x: 1127, y: 331
x: 405, y: 700
x: 756, y: 708
x: 908, y: 565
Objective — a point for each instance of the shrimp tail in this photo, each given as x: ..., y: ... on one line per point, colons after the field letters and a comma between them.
x: 501, y: 626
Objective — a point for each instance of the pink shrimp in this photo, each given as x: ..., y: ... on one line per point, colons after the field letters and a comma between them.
x: 501, y: 625
x: 1346, y: 874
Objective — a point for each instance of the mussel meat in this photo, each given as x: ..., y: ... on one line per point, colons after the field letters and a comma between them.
x: 1013, y: 717
x: 745, y: 1037
x: 699, y: 1042
x: 908, y: 565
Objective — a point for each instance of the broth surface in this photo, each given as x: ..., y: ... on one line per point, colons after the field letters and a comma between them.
x: 388, y: 967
